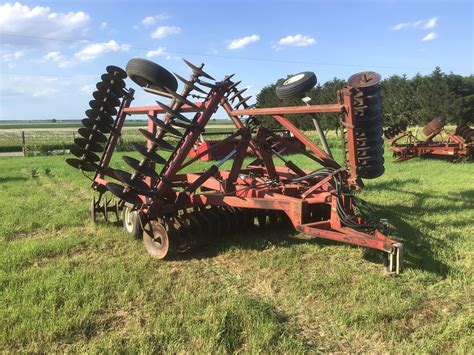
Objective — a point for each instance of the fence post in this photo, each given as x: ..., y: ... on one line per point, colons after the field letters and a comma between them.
x: 23, y: 143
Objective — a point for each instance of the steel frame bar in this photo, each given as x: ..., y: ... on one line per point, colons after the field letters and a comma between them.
x: 288, y: 110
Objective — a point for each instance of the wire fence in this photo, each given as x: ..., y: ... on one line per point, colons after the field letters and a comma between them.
x: 49, y: 142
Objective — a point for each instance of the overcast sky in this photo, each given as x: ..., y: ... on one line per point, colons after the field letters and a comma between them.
x: 53, y: 52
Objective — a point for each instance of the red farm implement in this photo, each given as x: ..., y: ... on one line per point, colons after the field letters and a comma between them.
x: 456, y: 147
x: 175, y: 211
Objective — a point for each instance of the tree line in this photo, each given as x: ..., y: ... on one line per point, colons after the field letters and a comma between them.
x: 417, y: 100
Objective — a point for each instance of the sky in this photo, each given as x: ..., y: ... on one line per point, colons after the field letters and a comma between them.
x: 53, y: 52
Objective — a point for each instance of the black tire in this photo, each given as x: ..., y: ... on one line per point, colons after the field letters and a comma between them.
x: 131, y: 222
x: 147, y: 73
x: 296, y: 85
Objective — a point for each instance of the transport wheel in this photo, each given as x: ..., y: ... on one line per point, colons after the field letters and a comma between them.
x: 147, y: 73
x: 131, y: 222
x: 156, y: 239
x: 296, y: 85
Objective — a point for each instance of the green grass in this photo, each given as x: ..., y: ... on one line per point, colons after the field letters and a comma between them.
x: 77, y: 123
x: 43, y: 142
x: 69, y: 285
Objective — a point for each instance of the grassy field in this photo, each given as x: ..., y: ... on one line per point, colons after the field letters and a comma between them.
x: 69, y: 285
x: 48, y: 124
x: 46, y: 139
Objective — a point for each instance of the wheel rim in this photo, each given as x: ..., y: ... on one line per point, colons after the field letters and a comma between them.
x: 128, y: 217
x: 155, y: 239
x: 293, y: 79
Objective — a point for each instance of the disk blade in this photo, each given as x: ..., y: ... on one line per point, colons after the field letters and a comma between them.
x: 93, y: 135
x: 116, y: 71
x: 155, y: 158
x: 109, y: 79
x: 110, y: 88
x: 138, y: 184
x: 173, y: 113
x: 166, y: 127
x: 91, y: 123
x: 129, y: 196
x: 190, y: 84
x: 81, y: 164
x: 88, y: 155
x: 181, y: 98
x: 198, y: 71
x: 159, y: 142
x: 89, y: 145
x: 135, y: 165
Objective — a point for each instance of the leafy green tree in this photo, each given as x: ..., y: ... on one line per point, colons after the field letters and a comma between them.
x: 417, y: 100
x: 320, y: 94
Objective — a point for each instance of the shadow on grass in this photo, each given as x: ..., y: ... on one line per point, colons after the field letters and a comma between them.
x: 12, y: 179
x: 419, y: 248
x: 257, y: 239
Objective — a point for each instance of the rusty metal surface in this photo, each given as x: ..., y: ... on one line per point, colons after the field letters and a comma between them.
x: 433, y: 127
x: 455, y: 147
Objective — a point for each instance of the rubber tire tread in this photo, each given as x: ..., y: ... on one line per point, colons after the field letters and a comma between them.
x: 145, y: 72
x: 297, y: 88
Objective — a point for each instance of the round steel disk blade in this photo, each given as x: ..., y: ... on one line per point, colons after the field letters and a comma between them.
x: 173, y: 113
x: 109, y: 98
x: 110, y: 88
x: 135, y: 165
x: 107, y: 78
x: 103, y: 116
x: 92, y: 134
x: 89, y: 145
x: 165, y: 127
x: 91, y: 123
x: 198, y: 71
x: 88, y: 155
x: 190, y: 84
x: 155, y: 158
x: 81, y: 164
x: 104, y: 105
x: 364, y: 79
x: 180, y: 98
x: 159, y: 142
x: 137, y: 184
x: 116, y: 71
x: 372, y: 173
x: 128, y: 196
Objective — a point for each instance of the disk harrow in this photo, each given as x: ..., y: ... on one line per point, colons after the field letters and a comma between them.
x: 456, y: 147
x: 176, y: 211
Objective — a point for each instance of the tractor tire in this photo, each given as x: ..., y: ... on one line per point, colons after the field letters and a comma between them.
x: 131, y: 222
x: 296, y: 85
x: 147, y: 73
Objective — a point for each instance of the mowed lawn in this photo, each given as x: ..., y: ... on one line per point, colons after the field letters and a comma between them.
x: 69, y: 285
